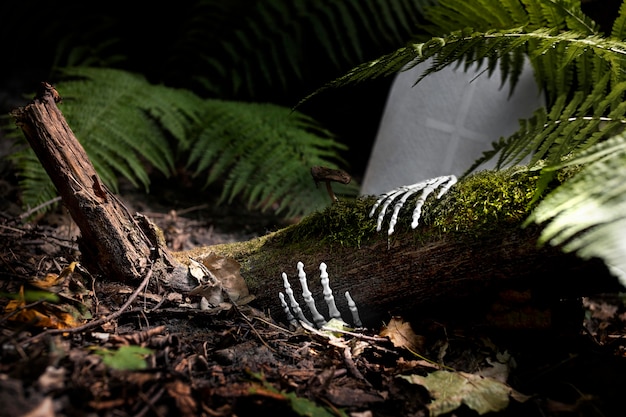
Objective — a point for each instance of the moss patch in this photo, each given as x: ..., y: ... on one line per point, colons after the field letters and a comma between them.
x: 346, y: 223
x: 485, y: 201
x: 476, y: 205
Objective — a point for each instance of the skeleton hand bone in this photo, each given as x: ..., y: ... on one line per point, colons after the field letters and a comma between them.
x: 293, y: 308
x: 428, y: 186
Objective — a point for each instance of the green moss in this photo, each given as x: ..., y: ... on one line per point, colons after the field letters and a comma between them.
x: 345, y: 222
x: 476, y: 206
x: 486, y: 201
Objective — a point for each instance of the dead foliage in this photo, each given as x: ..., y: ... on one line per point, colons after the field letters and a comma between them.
x: 95, y: 348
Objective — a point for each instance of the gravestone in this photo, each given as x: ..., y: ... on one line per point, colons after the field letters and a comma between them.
x: 444, y: 123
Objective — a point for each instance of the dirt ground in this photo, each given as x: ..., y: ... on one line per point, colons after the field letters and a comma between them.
x: 161, y: 356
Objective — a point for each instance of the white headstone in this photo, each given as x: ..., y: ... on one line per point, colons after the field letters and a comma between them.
x: 444, y: 123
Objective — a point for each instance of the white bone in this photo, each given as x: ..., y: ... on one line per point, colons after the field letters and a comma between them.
x: 292, y: 320
x: 328, y: 293
x: 308, y: 299
x: 426, y: 187
x: 294, y: 304
x: 355, y: 312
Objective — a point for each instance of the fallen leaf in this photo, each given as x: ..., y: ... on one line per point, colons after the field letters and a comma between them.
x: 227, y: 271
x: 181, y: 393
x: 44, y: 409
x: 301, y: 406
x: 42, y: 315
x: 125, y: 358
x: 52, y: 379
x: 209, y: 286
x: 451, y: 389
x: 402, y: 335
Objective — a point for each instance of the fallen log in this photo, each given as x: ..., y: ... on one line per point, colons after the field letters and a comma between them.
x: 469, y: 248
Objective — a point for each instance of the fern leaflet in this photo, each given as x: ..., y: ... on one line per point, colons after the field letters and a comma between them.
x: 264, y: 153
x: 122, y: 121
x: 587, y: 214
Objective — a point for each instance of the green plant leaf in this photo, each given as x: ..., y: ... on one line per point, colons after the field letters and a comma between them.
x: 123, y: 122
x: 301, y: 406
x: 126, y: 358
x: 581, y: 73
x: 452, y: 389
x: 263, y: 153
x: 263, y: 46
x: 587, y: 214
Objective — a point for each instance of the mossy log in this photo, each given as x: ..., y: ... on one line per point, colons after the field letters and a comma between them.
x: 469, y: 246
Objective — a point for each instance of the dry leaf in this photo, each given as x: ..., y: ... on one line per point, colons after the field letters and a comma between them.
x: 209, y: 286
x: 402, y: 335
x: 42, y: 315
x: 226, y: 270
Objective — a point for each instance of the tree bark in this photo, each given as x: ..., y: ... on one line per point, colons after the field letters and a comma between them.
x: 455, y: 273
x: 113, y: 242
x: 420, y: 270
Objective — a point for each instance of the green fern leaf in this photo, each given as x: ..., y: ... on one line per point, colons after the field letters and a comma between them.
x: 261, y: 46
x: 122, y: 113
x: 618, y: 31
x: 263, y: 153
x: 122, y: 121
x: 36, y: 187
x: 587, y: 214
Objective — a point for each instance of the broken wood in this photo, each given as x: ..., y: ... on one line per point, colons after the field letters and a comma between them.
x: 117, y: 244
x: 409, y: 271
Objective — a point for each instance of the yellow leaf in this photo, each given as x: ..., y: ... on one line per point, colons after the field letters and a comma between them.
x: 52, y: 280
x: 402, y: 335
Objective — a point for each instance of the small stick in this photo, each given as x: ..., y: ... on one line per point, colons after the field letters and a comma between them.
x: 99, y: 321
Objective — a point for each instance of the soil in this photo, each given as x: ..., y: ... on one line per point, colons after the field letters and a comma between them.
x: 240, y: 361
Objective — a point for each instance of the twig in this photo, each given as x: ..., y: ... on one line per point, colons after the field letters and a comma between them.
x: 17, y: 310
x: 349, y: 362
x: 274, y: 325
x: 247, y: 320
x: 150, y: 403
x: 100, y: 321
x: 357, y: 335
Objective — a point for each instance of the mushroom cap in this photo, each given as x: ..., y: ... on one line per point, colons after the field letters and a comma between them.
x: 325, y: 174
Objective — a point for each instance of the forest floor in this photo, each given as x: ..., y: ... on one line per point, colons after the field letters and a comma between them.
x: 163, y: 357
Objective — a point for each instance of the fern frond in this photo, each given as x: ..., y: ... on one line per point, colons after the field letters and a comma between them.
x: 587, y: 214
x: 264, y: 154
x: 36, y: 187
x: 122, y: 121
x: 122, y: 112
x: 548, y: 138
x: 451, y: 15
x: 344, y: 31
x: 573, y: 120
x: 618, y: 31
x: 493, y: 45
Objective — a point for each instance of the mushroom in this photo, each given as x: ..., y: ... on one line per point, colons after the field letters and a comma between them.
x: 328, y: 175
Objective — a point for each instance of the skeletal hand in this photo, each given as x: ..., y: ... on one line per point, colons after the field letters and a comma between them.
x: 428, y: 186
x: 293, y: 308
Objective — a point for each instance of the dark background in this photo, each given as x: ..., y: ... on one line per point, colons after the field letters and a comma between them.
x: 171, y: 43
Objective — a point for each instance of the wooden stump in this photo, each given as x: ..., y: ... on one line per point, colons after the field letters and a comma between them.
x: 113, y: 242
